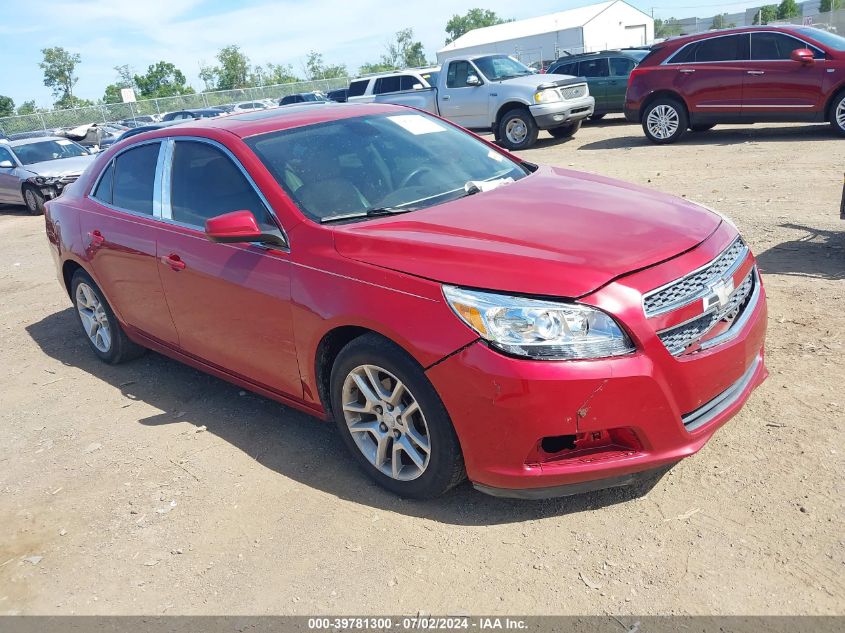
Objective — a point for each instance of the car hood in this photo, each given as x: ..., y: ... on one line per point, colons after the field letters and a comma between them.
x: 61, y: 166
x: 556, y: 232
x: 535, y: 81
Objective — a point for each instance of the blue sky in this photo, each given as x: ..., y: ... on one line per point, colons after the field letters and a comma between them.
x: 107, y: 33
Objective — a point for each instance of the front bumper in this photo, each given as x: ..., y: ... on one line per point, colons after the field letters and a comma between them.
x: 503, y: 408
x: 551, y: 115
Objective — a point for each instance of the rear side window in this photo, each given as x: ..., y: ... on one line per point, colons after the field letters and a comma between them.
x: 134, y: 178
x: 716, y: 49
x: 565, y: 69
x: 773, y: 46
x: 593, y: 68
x: 206, y: 183
x: 358, y: 88
x: 103, y: 192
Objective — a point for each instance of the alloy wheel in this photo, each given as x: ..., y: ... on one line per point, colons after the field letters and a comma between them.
x: 516, y: 130
x: 386, y: 422
x: 31, y: 202
x: 93, y: 316
x: 840, y: 114
x: 663, y: 122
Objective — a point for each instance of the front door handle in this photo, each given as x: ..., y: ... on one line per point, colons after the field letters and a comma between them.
x: 174, y: 261
x: 96, y: 238
x: 756, y: 72
x: 687, y: 71
x: 446, y: 97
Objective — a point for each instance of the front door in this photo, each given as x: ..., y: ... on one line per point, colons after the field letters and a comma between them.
x: 617, y: 82
x: 596, y: 71
x: 10, y: 184
x: 230, y: 302
x: 462, y: 102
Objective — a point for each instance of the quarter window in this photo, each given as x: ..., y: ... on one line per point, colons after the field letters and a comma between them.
x: 134, y: 178
x: 206, y: 183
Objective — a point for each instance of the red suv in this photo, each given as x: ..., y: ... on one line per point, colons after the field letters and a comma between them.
x: 750, y: 75
x: 456, y: 311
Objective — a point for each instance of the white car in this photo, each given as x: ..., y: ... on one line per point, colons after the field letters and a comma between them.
x: 249, y: 106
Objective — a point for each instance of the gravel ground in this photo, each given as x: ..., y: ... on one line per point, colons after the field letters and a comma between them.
x: 151, y: 488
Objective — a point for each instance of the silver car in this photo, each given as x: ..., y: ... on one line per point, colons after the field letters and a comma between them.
x: 34, y: 170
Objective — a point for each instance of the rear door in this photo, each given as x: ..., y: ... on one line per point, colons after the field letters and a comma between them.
x: 710, y: 74
x: 465, y: 104
x: 597, y: 73
x: 777, y: 85
x: 120, y: 232
x: 230, y: 302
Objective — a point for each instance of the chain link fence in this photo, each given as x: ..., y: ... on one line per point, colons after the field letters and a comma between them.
x: 114, y: 112
x: 833, y: 21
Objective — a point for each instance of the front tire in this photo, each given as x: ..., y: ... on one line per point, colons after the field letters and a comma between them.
x: 565, y: 131
x: 518, y: 130
x: 837, y: 114
x: 34, y: 200
x: 101, y: 328
x: 392, y: 420
x: 665, y: 121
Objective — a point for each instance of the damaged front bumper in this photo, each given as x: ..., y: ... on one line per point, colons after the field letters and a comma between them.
x: 52, y: 186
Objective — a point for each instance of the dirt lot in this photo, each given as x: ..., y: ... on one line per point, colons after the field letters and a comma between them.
x: 113, y: 500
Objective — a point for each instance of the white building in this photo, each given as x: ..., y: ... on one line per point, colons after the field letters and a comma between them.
x: 607, y: 25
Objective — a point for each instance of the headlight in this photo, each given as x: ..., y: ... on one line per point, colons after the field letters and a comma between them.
x: 547, y: 96
x: 46, y: 180
x: 539, y: 329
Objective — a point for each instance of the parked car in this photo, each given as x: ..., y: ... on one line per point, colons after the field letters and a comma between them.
x: 365, y: 89
x: 488, y: 93
x: 33, y: 170
x: 303, y: 97
x: 337, y: 95
x: 185, y: 115
x: 747, y: 75
x: 94, y: 136
x: 141, y: 119
x: 248, y: 106
x: 147, y: 128
x: 455, y: 311
x: 606, y: 74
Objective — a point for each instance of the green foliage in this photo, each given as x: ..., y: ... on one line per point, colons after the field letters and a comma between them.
x: 112, y: 94
x: 766, y: 14
x: 831, y: 5
x: 69, y: 101
x: 720, y: 22
x: 472, y: 19
x: 27, y: 107
x: 59, y: 68
x: 669, y: 27
x: 788, y: 9
x: 162, y: 79
x: 7, y: 106
x: 315, y: 68
x: 272, y: 74
x: 403, y: 51
x: 374, y: 67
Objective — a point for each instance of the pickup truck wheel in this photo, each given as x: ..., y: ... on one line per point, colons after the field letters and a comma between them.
x: 665, y: 121
x: 517, y: 129
x: 566, y: 131
x: 34, y: 200
x: 837, y: 114
x: 392, y: 420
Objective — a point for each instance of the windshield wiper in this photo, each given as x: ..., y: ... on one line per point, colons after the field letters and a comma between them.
x: 369, y: 213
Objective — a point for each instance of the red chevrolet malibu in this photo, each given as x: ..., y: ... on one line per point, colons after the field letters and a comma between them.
x: 456, y: 311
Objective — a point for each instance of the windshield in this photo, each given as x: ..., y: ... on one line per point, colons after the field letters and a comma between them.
x: 48, y: 150
x: 834, y: 41
x: 499, y: 67
x: 397, y: 161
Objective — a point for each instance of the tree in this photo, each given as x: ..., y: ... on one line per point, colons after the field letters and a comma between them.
x: 788, y: 9
x: 234, y: 68
x: 721, y: 22
x: 315, y: 68
x: 7, y: 106
x: 831, y: 5
x: 162, y: 79
x: 766, y: 14
x: 403, y: 51
x: 669, y: 27
x: 70, y: 101
x: 59, y: 68
x: 374, y: 67
x: 27, y: 107
x: 272, y: 74
x: 472, y: 19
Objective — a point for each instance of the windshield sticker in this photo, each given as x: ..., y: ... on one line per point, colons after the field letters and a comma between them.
x: 417, y: 124
x: 495, y: 156
x: 64, y: 141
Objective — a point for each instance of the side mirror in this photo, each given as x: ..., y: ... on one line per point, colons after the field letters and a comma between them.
x: 239, y: 226
x: 803, y: 55
x: 473, y: 80
x: 418, y: 86
x: 6, y: 164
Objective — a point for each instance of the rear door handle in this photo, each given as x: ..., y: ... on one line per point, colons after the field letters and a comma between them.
x: 174, y: 261
x: 687, y: 71
x: 756, y: 72
x: 97, y: 238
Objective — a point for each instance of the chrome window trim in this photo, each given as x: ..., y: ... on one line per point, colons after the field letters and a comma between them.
x: 668, y: 61
x: 156, y: 192
x: 165, y: 179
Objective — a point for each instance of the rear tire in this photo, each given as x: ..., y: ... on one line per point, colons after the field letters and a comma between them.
x: 703, y: 127
x: 566, y: 131
x: 33, y: 199
x: 837, y: 114
x: 392, y: 420
x: 665, y: 121
x: 517, y: 129
x: 101, y: 328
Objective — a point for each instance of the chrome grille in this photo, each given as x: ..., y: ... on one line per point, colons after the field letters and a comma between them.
x: 66, y: 180
x: 677, y: 339
x: 574, y: 92
x: 696, y: 284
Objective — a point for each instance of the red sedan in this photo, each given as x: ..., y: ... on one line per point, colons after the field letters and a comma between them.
x: 456, y: 311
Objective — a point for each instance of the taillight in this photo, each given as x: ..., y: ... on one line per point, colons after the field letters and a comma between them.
x: 635, y: 72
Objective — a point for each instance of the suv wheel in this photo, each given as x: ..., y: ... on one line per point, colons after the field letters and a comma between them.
x: 392, y: 420
x: 517, y: 129
x: 837, y: 114
x: 665, y: 121
x: 34, y: 200
x: 565, y: 131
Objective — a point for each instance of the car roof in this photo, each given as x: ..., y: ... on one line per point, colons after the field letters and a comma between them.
x: 632, y: 53
x: 274, y: 119
x: 37, y: 139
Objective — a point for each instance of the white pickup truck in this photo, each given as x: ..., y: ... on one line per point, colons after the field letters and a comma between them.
x: 487, y: 93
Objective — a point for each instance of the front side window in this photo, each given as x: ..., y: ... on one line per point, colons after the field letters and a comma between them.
x: 501, y: 67
x: 458, y: 73
x: 6, y: 155
x: 358, y: 88
x: 44, y: 151
x: 134, y: 178
x: 206, y: 183
x: 621, y: 66
x: 389, y: 162
x: 593, y: 68
x: 773, y: 46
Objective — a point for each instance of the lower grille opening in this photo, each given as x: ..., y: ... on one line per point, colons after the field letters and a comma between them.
x: 557, y: 443
x: 582, y: 448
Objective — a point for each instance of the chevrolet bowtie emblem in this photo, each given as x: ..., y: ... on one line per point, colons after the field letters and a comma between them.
x: 719, y: 295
